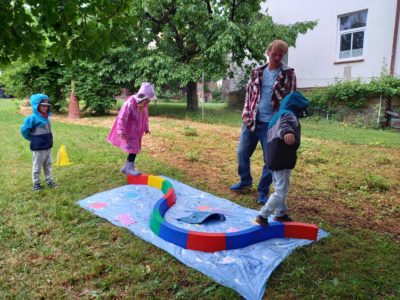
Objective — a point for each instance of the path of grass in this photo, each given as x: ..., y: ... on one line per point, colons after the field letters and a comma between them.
x: 50, y: 248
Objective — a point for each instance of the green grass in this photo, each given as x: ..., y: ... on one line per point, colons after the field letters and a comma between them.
x: 50, y: 248
x: 214, y: 113
x: 218, y: 113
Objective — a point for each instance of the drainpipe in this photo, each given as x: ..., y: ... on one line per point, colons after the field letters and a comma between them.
x: 395, y: 34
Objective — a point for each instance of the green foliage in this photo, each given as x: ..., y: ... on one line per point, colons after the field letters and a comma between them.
x: 65, y: 30
x: 93, y: 85
x: 23, y: 79
x: 191, y: 38
x: 217, y: 95
x: 20, y: 34
x: 169, y: 42
x: 352, y: 94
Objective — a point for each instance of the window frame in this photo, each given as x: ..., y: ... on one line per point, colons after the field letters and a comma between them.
x: 351, y: 31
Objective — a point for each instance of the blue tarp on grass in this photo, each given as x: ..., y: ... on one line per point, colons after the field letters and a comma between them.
x: 245, y: 270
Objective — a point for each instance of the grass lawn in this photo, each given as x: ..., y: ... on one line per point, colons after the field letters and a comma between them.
x: 347, y: 181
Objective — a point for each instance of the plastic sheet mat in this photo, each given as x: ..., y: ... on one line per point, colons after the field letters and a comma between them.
x: 245, y: 270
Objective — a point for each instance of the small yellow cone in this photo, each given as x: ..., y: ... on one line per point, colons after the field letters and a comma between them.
x: 62, y: 157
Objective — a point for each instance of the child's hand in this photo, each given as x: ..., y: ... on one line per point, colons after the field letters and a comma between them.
x: 122, y: 136
x: 289, y: 138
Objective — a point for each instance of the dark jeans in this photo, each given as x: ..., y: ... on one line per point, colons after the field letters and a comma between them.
x: 247, y: 144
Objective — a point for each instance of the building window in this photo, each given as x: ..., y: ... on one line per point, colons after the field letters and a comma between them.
x: 351, y: 34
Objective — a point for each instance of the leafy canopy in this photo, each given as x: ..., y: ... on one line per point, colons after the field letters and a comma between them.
x: 162, y: 41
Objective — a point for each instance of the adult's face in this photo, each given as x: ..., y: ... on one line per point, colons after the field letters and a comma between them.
x: 275, y: 57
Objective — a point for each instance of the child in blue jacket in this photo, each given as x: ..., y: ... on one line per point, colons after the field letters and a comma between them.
x: 283, y: 142
x: 37, y: 130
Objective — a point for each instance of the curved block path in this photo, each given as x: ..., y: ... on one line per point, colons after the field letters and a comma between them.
x: 207, y: 241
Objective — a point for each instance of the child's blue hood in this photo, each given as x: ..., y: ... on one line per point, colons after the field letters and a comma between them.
x: 35, y: 101
x: 294, y: 103
x: 35, y: 119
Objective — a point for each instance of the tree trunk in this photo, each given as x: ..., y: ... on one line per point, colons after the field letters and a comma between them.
x: 192, y: 103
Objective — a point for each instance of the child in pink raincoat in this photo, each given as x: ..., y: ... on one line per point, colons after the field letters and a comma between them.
x: 130, y: 125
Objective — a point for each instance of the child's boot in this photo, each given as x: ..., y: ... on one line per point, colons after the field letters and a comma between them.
x: 130, y: 169
x: 37, y: 186
x: 123, y: 169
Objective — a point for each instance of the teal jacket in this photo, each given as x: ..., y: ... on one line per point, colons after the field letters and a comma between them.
x: 37, y: 128
x: 280, y: 155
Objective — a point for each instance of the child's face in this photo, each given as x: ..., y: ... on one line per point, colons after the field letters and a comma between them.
x: 142, y: 103
x: 43, y: 108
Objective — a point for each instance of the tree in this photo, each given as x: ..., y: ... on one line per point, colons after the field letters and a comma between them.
x: 191, y: 37
x: 73, y: 34
x: 64, y: 30
x: 170, y: 40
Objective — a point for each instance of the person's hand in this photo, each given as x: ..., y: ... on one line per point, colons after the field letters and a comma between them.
x: 289, y: 138
x: 122, y: 136
x: 147, y: 132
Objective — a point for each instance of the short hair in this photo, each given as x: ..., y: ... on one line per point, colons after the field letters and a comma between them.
x: 278, y: 45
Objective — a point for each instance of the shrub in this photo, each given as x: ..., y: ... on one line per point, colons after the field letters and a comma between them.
x: 352, y: 94
x: 92, y: 86
x: 24, y: 79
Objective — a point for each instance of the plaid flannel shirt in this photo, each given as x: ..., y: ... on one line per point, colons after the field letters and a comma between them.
x: 285, y: 83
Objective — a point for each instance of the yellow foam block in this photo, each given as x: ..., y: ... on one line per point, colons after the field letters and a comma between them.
x: 155, y: 181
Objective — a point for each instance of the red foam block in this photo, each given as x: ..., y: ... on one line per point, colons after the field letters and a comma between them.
x: 301, y: 230
x: 141, y: 179
x: 206, y: 241
x: 171, y: 197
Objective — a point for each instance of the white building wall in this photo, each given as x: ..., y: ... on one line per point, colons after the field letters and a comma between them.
x: 314, y: 57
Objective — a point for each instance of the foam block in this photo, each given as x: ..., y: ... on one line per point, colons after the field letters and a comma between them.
x: 301, y: 230
x: 155, y: 182
x: 206, y: 241
x: 174, y: 234
x: 170, y: 196
x: 141, y: 179
x: 252, y: 235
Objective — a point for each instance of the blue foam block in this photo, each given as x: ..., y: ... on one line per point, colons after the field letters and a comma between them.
x: 174, y: 234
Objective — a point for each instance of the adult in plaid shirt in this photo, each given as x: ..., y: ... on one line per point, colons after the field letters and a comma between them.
x: 267, y: 86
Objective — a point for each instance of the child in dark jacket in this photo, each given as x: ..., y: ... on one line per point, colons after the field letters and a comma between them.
x: 37, y: 130
x: 283, y: 142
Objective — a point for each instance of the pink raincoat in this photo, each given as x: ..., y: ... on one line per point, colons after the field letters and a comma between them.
x: 131, y: 122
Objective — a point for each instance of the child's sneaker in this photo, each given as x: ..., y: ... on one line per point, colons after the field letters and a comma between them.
x: 37, y: 186
x: 52, y: 184
x: 262, y: 221
x: 284, y: 218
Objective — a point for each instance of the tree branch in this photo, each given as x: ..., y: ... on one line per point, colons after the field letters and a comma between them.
x: 235, y: 5
x: 233, y: 10
x: 159, y: 22
x: 210, y: 12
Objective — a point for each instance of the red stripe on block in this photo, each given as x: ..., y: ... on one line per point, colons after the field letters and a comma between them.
x: 206, y: 241
x: 171, y: 197
x: 141, y: 179
x: 301, y: 230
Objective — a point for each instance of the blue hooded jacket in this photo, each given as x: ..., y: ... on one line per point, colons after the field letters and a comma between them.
x: 36, y: 127
x: 280, y: 155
